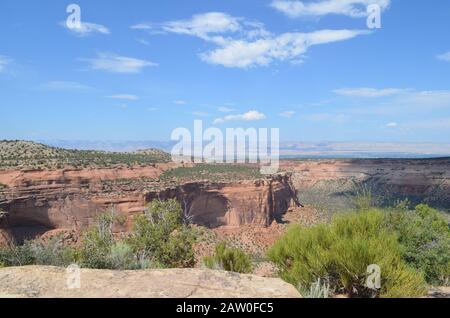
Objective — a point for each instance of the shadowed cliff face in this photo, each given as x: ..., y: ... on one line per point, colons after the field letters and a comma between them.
x: 41, y: 201
x: 256, y: 202
x: 421, y: 180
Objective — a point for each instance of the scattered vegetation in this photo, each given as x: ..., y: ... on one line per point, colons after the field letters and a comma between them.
x: 317, y: 289
x: 39, y: 252
x: 212, y: 172
x: 424, y: 235
x: 340, y: 253
x: 229, y: 259
x: 160, y: 239
x: 161, y: 234
x: 26, y: 154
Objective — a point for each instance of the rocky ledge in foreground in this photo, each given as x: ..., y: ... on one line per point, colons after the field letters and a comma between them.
x: 51, y: 282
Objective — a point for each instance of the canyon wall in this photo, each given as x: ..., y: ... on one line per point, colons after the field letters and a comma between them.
x: 419, y: 180
x: 41, y: 201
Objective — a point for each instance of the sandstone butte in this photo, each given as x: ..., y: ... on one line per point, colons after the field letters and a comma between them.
x: 51, y: 282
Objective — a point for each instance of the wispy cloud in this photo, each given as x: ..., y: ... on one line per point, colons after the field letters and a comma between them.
x: 351, y: 8
x: 225, y: 109
x: 264, y: 51
x: 118, y: 64
x: 444, y: 57
x: 87, y: 28
x: 252, y: 115
x: 287, y: 114
x: 180, y: 102
x: 4, y: 61
x: 204, y: 25
x: 392, y: 125
x: 241, y: 43
x: 368, y: 92
x: 64, y: 86
x: 124, y: 97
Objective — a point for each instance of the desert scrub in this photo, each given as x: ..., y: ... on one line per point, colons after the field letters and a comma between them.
x: 340, y: 253
x: 97, y: 243
x: 229, y: 259
x: 101, y: 250
x: 424, y: 235
x: 39, y: 252
x: 26, y: 154
x: 161, y: 234
x: 212, y: 172
x: 318, y: 289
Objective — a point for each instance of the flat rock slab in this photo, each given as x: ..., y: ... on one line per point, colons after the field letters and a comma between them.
x: 52, y: 282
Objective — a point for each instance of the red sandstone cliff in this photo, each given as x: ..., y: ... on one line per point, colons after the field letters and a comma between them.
x: 39, y: 201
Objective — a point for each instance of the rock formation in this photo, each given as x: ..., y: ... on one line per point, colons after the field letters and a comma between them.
x: 420, y: 180
x: 41, y: 201
x: 51, y: 282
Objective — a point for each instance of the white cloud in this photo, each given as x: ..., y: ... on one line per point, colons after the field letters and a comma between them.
x: 4, y: 61
x: 124, y: 97
x: 252, y: 115
x: 180, y: 102
x: 444, y: 57
x: 118, y: 64
x: 204, y: 25
x: 226, y: 109
x: 262, y: 52
x: 392, y: 125
x: 287, y: 114
x: 351, y: 8
x: 141, y: 26
x: 87, y: 28
x: 368, y: 92
x: 242, y: 43
x: 63, y: 86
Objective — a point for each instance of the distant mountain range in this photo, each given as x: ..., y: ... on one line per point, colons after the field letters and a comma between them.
x: 294, y: 149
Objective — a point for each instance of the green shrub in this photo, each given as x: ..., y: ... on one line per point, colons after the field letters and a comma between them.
x: 229, y: 259
x: 97, y: 243
x: 38, y: 252
x: 121, y: 256
x: 16, y: 255
x: 317, y: 289
x: 425, y: 238
x: 160, y: 234
x: 341, y: 252
x: 52, y: 252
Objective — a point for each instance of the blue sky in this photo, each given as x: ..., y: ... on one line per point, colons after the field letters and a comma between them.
x: 136, y: 70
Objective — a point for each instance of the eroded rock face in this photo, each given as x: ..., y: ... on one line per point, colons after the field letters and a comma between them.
x: 41, y: 201
x: 257, y: 202
x: 50, y: 282
x: 421, y: 180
